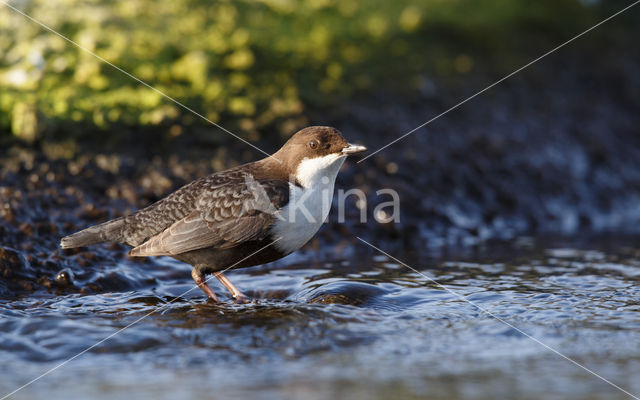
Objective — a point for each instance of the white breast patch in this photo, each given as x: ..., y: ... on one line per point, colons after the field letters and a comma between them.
x: 309, y: 204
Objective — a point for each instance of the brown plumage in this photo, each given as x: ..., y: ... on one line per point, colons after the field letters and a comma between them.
x: 219, y: 221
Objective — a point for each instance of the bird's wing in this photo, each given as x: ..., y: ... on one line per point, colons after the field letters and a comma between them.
x: 224, y: 217
x: 156, y: 218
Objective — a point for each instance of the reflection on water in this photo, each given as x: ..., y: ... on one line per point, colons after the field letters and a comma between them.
x: 364, y: 327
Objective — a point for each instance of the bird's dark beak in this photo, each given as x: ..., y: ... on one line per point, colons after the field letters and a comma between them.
x: 353, y: 149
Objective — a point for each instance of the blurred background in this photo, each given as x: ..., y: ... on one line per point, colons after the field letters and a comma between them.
x: 547, y: 159
x: 267, y: 67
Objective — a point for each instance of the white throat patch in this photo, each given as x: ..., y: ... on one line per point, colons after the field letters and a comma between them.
x: 309, y: 205
x: 311, y: 170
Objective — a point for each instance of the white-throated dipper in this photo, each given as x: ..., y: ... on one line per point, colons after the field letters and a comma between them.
x: 248, y: 215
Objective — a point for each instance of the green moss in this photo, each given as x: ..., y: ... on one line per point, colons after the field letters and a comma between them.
x: 269, y: 60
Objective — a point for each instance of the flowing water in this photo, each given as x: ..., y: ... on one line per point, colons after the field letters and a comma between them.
x: 362, y: 327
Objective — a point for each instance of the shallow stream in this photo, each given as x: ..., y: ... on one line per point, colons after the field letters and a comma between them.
x: 364, y: 327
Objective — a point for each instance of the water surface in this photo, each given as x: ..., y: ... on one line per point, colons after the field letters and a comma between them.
x: 362, y: 327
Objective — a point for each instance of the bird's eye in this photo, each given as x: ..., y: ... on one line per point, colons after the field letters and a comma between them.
x: 313, y: 144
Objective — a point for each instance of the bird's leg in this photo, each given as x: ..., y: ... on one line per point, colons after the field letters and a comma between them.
x: 199, y: 279
x: 237, y: 294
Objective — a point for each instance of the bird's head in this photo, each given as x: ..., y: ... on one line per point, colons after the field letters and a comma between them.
x: 316, y: 152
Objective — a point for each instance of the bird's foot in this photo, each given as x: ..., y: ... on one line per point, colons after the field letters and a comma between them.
x: 199, y: 279
x: 237, y: 295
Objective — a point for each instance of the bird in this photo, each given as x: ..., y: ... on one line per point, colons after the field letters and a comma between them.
x: 248, y: 215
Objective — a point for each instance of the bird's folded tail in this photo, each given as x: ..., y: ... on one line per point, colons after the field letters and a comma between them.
x: 110, y: 231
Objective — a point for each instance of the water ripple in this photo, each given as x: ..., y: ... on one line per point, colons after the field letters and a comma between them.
x: 347, y: 324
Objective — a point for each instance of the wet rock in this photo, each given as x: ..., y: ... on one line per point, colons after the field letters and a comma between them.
x: 27, y: 229
x: 45, y: 282
x: 347, y: 293
x: 63, y: 278
x: 10, y: 262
